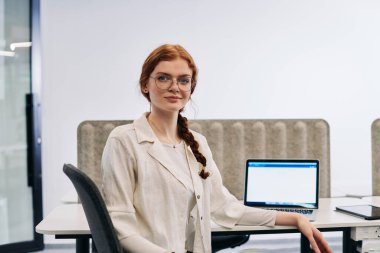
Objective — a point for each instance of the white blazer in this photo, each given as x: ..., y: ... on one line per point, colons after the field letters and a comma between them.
x: 144, y: 194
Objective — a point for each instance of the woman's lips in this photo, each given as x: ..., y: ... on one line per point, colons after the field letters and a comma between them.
x: 173, y: 99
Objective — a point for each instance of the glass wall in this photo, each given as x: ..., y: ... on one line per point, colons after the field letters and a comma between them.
x: 17, y: 191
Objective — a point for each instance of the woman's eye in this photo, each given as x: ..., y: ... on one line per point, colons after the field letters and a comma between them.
x: 184, y: 81
x: 163, y: 78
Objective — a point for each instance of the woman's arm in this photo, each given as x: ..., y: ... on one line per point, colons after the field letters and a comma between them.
x: 315, y: 237
x: 119, y: 182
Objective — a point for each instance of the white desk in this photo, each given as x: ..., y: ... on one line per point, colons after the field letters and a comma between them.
x: 69, y: 221
x: 65, y: 220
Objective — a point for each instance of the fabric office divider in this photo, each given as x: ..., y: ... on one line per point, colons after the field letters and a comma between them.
x: 375, y: 134
x: 232, y: 143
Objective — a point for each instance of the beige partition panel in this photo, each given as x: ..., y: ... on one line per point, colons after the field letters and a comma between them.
x: 375, y: 132
x: 91, y: 139
x: 232, y: 143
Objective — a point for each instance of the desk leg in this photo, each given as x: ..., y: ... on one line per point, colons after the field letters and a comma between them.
x: 82, y: 245
x: 305, y: 245
x: 349, y: 245
x: 346, y: 241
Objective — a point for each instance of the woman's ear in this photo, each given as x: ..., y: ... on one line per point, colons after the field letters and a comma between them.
x: 145, y: 89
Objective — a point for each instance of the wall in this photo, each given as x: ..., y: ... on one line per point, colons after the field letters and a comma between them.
x: 257, y: 59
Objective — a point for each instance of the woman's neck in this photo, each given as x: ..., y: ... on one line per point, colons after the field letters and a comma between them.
x: 165, y: 127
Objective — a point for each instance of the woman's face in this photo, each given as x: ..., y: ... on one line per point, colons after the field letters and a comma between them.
x: 166, y: 95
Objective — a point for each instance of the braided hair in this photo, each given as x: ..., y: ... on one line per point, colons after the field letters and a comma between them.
x: 188, y: 137
x: 169, y: 52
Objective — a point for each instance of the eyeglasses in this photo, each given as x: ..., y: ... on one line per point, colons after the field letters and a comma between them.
x: 165, y: 82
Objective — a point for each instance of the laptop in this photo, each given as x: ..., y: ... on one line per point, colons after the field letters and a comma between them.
x: 283, y: 185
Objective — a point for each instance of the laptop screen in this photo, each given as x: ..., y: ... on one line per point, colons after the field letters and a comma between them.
x: 281, y: 183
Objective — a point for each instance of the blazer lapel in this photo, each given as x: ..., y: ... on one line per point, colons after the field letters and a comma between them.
x: 194, y: 170
x: 145, y: 134
x: 158, y: 152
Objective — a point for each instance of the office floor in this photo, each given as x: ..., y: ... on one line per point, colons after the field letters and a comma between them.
x: 284, y: 243
x: 58, y: 248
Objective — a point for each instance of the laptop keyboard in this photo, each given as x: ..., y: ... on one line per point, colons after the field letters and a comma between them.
x: 289, y: 210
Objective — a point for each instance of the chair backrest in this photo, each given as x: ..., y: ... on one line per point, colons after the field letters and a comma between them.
x: 232, y: 142
x: 99, y: 221
x: 375, y: 136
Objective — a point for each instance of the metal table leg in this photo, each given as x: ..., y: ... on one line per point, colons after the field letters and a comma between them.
x: 349, y: 245
x: 82, y: 245
x: 305, y: 245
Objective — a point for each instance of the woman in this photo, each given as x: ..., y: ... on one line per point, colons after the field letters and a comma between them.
x: 160, y: 183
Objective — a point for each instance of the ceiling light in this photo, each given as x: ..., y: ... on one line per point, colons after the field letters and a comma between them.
x: 7, y: 53
x: 13, y: 46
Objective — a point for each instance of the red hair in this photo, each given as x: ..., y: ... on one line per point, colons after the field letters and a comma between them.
x: 169, y: 53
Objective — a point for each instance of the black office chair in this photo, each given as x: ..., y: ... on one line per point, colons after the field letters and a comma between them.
x: 99, y: 221
x: 219, y: 242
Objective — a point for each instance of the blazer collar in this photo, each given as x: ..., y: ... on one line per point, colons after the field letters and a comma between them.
x: 143, y: 130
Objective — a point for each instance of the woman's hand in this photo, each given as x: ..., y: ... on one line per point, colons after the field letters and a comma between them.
x: 315, y: 237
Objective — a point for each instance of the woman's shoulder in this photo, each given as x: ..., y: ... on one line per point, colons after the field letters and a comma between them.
x: 122, y: 131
